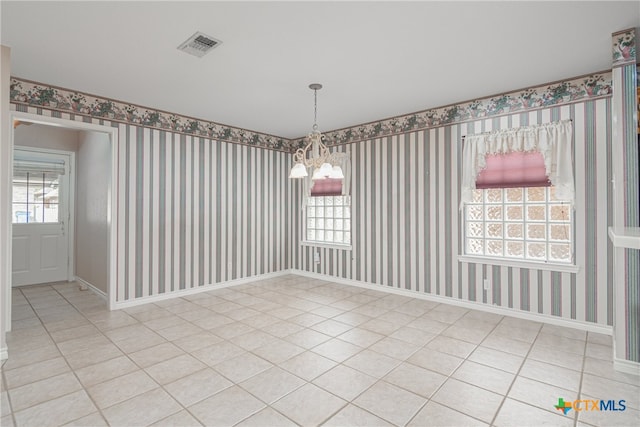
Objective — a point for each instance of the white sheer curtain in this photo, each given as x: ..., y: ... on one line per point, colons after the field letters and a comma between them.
x: 552, y: 140
x: 344, y: 163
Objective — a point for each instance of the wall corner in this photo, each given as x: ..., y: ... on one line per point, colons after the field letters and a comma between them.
x: 626, y: 197
x: 5, y: 193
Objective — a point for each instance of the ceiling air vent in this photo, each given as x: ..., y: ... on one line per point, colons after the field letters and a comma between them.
x: 199, y: 44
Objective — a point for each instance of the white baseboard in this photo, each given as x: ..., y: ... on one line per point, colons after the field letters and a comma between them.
x: 180, y: 293
x: 4, y: 353
x: 536, y: 317
x: 626, y: 366
x: 88, y: 286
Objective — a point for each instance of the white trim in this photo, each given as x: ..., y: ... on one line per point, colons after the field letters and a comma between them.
x: 625, y: 237
x: 326, y: 245
x: 503, y: 311
x: 626, y: 366
x: 564, y: 268
x: 112, y: 218
x: 190, y: 291
x: 84, y: 285
x: 6, y: 158
x: 4, y: 353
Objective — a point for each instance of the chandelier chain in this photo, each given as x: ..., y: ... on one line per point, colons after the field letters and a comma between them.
x: 315, y: 109
x: 315, y: 154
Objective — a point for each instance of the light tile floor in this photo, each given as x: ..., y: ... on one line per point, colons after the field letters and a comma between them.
x: 296, y: 351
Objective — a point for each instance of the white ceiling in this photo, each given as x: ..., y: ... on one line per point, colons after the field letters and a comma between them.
x: 375, y: 59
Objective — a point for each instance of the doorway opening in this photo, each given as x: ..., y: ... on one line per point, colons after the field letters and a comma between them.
x: 63, y: 195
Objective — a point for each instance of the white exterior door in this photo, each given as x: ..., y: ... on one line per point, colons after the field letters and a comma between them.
x: 40, y: 251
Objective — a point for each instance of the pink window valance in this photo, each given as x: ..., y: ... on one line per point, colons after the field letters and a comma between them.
x: 492, y: 153
x: 513, y: 170
x: 326, y: 187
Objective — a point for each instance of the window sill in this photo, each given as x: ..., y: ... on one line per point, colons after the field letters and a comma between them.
x: 563, y: 268
x: 326, y: 245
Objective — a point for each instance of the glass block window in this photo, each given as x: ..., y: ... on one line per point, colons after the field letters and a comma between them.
x: 329, y: 220
x: 35, y: 197
x: 519, y: 223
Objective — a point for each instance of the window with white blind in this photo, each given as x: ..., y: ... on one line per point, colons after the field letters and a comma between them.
x: 35, y: 190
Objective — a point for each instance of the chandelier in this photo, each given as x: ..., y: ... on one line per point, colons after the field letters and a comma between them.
x: 315, y: 156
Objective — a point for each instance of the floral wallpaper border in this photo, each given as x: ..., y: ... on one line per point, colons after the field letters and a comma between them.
x: 59, y: 99
x: 623, y: 47
x: 580, y: 88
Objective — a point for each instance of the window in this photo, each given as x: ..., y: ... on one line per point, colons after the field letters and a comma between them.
x: 329, y: 220
x: 36, y: 186
x: 519, y: 223
x: 517, y: 192
x: 35, y: 197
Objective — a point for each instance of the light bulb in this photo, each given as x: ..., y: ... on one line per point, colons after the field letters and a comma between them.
x: 325, y: 169
x: 336, y: 173
x: 317, y: 174
x: 298, y: 171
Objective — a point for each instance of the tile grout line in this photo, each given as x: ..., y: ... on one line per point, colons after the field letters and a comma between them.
x: 351, y: 402
x: 584, y: 363
x: 401, y: 361
x: 6, y: 384
x: 310, y: 349
x: 305, y: 382
x: 65, y: 359
x: 228, y: 340
x: 270, y: 405
x: 450, y: 376
x: 382, y: 379
x: 58, y: 349
x: 516, y: 375
x: 127, y: 354
x: 348, y: 402
x: 327, y: 301
x: 35, y: 312
x: 84, y: 388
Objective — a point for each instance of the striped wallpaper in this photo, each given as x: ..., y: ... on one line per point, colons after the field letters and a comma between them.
x: 192, y: 211
x: 407, y: 229
x: 627, y: 148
